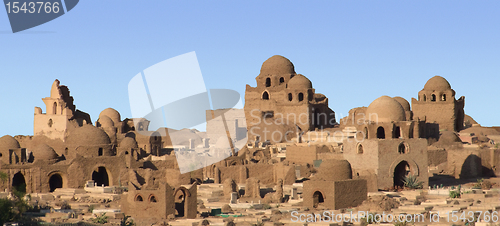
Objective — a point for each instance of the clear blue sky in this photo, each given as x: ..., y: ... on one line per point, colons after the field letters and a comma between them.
x: 352, y: 51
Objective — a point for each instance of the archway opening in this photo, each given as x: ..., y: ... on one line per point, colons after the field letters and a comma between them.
x: 397, y: 132
x: 152, y: 198
x: 54, y: 110
x: 366, y: 133
x: 443, y: 98
x: 265, y: 96
x: 301, y: 96
x: 282, y: 80
x: 380, y: 133
x: 268, y: 82
x: 180, y: 200
x: 433, y: 97
x: 100, y: 176
x: 55, y: 181
x: 425, y: 97
x: 290, y: 97
x: 99, y: 152
x: 139, y: 198
x: 400, y: 172
x: 317, y: 199
x: 19, y: 183
x: 360, y: 149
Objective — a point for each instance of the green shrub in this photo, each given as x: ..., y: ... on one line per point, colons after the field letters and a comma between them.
x: 6, y: 211
x: 103, y: 219
x: 411, y: 181
x: 126, y: 222
x: 454, y: 194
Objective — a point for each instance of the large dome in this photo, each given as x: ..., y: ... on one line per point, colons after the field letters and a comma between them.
x: 277, y: 65
x: 300, y: 82
x: 44, y: 152
x: 112, y: 114
x: 404, y: 103
x: 128, y: 143
x: 437, y: 83
x: 334, y: 170
x: 385, y: 109
x: 87, y: 135
x: 105, y: 121
x: 8, y: 142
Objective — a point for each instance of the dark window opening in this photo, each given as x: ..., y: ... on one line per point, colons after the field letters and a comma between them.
x: 290, y: 97
x: 265, y: 96
x: 268, y: 82
x: 433, y: 97
x: 50, y: 123
x: 301, y: 96
x: 100, y: 176
x: 138, y: 198
x: 267, y: 114
x: 380, y: 133
x: 402, y: 148
x: 152, y: 198
x: 99, y: 153
x: 425, y: 98
x: 397, y: 132
x: 366, y: 133
x: 282, y: 80
x: 360, y: 149
x: 54, y: 108
x: 180, y: 203
x: 443, y: 98
x: 55, y: 182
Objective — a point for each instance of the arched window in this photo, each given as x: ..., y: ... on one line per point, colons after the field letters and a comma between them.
x: 268, y: 82
x: 380, y: 133
x: 301, y: 96
x: 54, y: 110
x: 402, y: 148
x: 99, y: 153
x: 397, y: 132
x: 265, y: 95
x: 282, y: 80
x: 360, y: 149
x: 152, y: 198
x: 433, y: 97
x: 425, y: 98
x: 138, y: 198
x: 290, y: 97
x: 443, y: 97
x: 366, y: 133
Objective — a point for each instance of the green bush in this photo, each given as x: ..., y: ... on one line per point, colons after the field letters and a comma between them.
x: 411, y: 181
x: 454, y: 194
x: 6, y: 211
x: 126, y: 222
x: 103, y: 219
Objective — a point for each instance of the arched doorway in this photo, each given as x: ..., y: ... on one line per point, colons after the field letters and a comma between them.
x: 180, y: 200
x: 400, y: 172
x: 18, y: 182
x: 265, y: 96
x: 380, y: 133
x: 317, y: 199
x: 100, y: 176
x: 55, y: 181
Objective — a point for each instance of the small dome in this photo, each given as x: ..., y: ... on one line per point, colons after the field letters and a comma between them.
x: 299, y: 82
x: 448, y: 137
x: 112, y: 114
x: 8, y: 142
x: 87, y: 135
x: 404, y: 103
x: 128, y: 143
x: 277, y: 65
x: 44, y: 152
x: 105, y: 121
x: 385, y: 109
x: 437, y: 83
x: 334, y: 170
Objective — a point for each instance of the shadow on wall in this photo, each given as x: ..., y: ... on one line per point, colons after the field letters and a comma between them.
x: 473, y: 168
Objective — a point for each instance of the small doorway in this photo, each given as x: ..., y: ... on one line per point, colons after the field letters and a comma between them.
x: 317, y: 199
x: 100, y: 176
x: 19, y: 183
x: 400, y: 172
x: 180, y: 200
x: 55, y: 181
